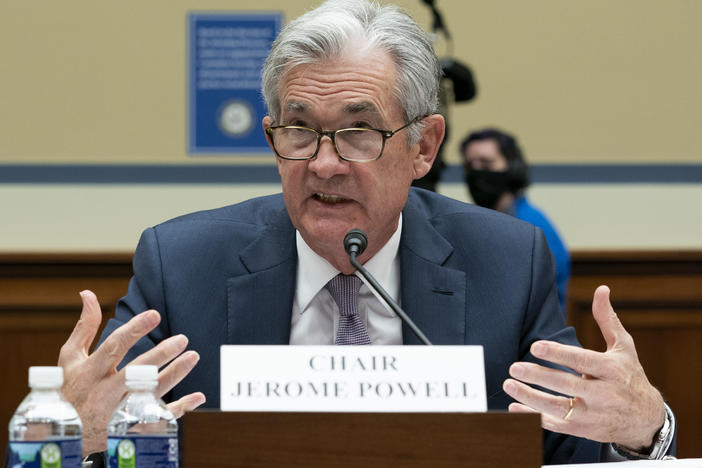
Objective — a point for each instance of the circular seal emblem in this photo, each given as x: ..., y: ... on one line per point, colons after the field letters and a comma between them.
x: 50, y: 454
x: 236, y: 118
x: 126, y: 450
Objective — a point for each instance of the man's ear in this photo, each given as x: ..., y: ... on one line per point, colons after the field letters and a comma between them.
x: 267, y: 122
x: 432, y: 136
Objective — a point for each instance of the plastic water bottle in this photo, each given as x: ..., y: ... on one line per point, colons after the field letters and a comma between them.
x: 142, y: 431
x: 45, y: 431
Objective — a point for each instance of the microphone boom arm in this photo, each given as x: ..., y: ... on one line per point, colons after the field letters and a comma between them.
x: 386, y: 297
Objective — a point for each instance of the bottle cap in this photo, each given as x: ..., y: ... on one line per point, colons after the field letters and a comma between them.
x: 142, y: 373
x: 45, y: 376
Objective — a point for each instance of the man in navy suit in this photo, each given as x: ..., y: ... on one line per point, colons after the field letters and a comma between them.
x: 351, y: 89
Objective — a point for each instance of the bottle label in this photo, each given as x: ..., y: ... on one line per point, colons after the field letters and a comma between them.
x: 142, y: 452
x: 54, y: 453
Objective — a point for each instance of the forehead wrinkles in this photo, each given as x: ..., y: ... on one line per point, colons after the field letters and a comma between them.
x: 342, y: 86
x: 368, y: 91
x: 361, y: 107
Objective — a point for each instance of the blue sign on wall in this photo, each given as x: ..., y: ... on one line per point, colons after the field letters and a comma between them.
x: 227, y: 52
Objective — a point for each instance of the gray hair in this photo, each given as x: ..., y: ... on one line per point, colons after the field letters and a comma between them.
x: 331, y: 29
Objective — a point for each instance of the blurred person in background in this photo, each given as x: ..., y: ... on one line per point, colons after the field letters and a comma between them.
x: 497, y: 176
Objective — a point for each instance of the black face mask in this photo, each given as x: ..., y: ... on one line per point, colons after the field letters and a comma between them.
x: 486, y: 187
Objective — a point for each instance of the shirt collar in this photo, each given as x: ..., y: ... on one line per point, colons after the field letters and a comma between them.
x: 314, y: 272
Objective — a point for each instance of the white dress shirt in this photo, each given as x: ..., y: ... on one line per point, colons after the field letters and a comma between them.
x: 315, y: 315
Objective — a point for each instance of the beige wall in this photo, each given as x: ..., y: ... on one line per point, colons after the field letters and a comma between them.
x: 587, y: 80
x: 579, y: 81
x: 110, y: 218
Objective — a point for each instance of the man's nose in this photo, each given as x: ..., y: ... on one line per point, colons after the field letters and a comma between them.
x: 327, y: 163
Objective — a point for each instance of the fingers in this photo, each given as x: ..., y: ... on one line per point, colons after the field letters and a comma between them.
x: 612, y: 329
x: 558, y: 424
x: 583, y: 361
x: 556, y: 411
x: 83, y: 334
x: 115, y: 346
x: 186, y: 403
x: 553, y: 379
x: 164, y: 352
x: 551, y: 423
x: 520, y: 408
x: 587, y: 362
x: 176, y: 371
x: 537, y: 400
x: 167, y: 351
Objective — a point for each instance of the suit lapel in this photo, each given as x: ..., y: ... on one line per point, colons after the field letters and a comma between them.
x: 433, y: 295
x: 260, y: 301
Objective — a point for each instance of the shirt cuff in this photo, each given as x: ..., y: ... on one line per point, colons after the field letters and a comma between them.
x: 661, y: 444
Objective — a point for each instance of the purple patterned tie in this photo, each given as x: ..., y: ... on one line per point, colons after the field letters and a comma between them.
x: 344, y: 290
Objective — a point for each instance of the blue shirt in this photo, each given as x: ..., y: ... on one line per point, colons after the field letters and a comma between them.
x: 527, y: 212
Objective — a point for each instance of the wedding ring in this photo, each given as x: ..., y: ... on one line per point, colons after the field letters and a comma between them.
x: 571, y: 400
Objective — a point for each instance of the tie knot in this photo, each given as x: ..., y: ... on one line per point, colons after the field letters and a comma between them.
x: 344, y: 289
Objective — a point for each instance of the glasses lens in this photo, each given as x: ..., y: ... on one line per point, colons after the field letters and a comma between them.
x: 360, y: 144
x: 295, y: 142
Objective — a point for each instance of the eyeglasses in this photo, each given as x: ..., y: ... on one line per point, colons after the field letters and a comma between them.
x: 352, y: 144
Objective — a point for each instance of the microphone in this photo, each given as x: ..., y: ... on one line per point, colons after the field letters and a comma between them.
x: 355, y: 243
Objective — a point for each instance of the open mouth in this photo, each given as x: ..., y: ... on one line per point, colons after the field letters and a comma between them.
x: 330, y: 199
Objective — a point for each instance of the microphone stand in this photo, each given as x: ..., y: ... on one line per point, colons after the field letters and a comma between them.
x: 401, y: 313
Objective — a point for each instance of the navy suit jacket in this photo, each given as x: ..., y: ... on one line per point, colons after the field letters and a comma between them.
x: 468, y: 276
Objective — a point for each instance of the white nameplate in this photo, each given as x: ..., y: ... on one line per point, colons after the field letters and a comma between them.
x: 353, y: 378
